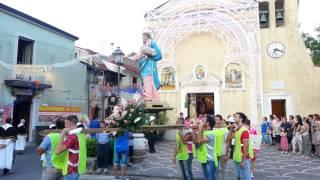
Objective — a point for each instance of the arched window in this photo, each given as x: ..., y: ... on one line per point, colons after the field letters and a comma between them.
x: 264, y: 14
x: 279, y: 11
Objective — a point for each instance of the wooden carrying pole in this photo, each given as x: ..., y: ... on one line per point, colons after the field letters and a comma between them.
x: 145, y: 128
x: 139, y: 129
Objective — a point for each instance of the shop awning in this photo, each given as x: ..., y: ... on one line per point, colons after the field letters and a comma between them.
x: 114, y: 67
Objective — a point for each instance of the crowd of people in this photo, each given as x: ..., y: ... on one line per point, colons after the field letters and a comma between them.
x: 213, y: 141
x: 65, y: 153
x: 210, y: 139
x: 297, y: 134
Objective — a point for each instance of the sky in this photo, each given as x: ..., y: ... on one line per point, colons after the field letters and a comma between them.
x: 98, y: 23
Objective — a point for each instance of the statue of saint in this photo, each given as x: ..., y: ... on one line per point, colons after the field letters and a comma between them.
x: 147, y: 59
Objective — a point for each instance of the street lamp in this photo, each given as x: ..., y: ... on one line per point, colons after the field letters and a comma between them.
x: 118, y: 59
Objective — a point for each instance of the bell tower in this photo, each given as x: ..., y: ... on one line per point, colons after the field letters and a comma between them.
x: 283, y: 56
x: 278, y: 14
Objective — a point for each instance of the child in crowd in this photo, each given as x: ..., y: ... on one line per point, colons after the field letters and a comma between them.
x: 103, y: 140
x: 184, y: 152
x: 284, y: 141
x: 121, y: 150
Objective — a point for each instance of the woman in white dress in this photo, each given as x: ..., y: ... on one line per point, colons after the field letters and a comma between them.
x: 22, y: 135
x: 7, y: 140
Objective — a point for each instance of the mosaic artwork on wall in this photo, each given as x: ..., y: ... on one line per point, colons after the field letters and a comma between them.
x: 199, y: 72
x: 233, y: 76
x: 168, y: 79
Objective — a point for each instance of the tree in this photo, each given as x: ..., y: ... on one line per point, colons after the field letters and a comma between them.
x: 313, y: 44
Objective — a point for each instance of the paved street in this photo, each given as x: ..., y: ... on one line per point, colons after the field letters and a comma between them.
x: 26, y: 166
x: 270, y: 165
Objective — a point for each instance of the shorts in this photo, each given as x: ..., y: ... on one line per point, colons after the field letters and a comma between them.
x: 121, y: 159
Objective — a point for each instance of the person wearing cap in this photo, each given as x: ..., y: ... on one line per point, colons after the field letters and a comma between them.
x: 152, y: 136
x: 75, y: 147
x: 230, y: 142
x: 221, y: 134
x: 52, y: 124
x: 22, y: 135
x: 184, y: 152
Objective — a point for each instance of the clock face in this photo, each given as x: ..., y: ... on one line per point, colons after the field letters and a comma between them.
x: 276, y: 49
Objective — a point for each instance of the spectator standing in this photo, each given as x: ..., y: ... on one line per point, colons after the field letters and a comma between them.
x: 316, y: 133
x: 276, y: 129
x: 297, y: 139
x: 306, y: 143
x: 103, y: 148
x: 271, y: 122
x: 290, y: 131
x: 265, y: 129
x: 284, y: 141
x: 94, y: 123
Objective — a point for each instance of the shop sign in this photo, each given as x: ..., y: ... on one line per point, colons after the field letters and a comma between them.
x: 51, y: 113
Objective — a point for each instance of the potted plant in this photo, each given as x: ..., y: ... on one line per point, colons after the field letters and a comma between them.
x: 91, y: 154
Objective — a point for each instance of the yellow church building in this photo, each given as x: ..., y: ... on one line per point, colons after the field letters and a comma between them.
x: 225, y: 56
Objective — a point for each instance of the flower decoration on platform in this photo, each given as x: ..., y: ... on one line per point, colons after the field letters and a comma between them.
x: 130, y: 118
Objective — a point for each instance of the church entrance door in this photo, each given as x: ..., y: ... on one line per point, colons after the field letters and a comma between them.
x: 200, y: 103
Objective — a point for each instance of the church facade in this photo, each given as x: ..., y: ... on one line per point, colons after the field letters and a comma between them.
x: 222, y: 57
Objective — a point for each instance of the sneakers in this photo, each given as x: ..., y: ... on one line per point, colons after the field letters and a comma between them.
x: 125, y: 178
x: 122, y: 178
x: 99, y: 171
x: 105, y: 171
